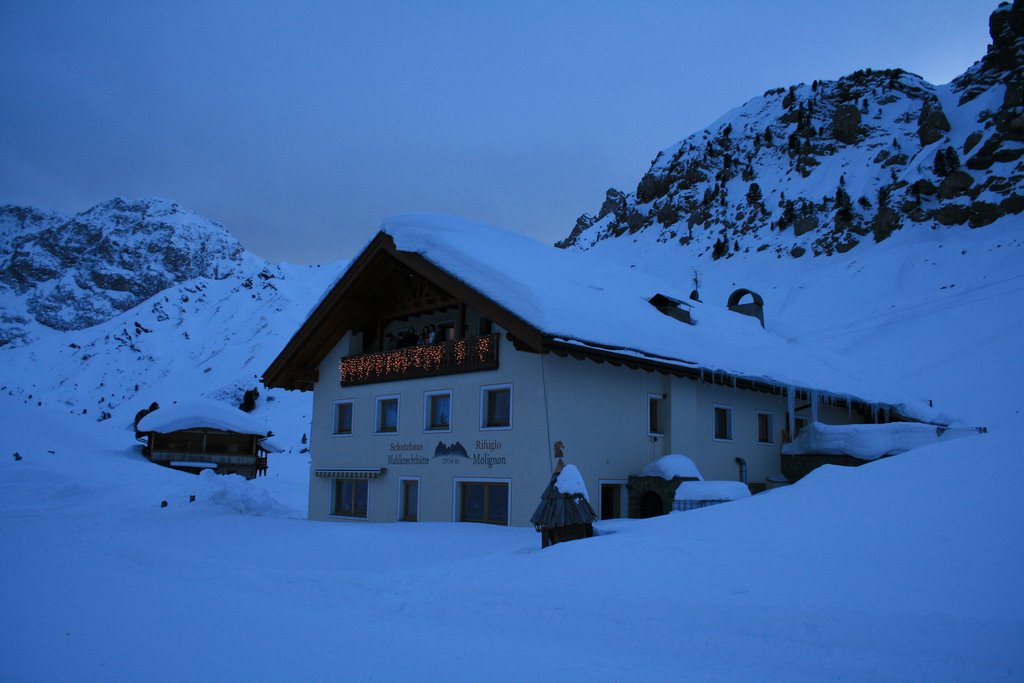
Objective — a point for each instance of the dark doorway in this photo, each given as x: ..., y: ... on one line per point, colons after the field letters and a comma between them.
x: 611, y: 501
x: 651, y: 505
x: 410, y: 500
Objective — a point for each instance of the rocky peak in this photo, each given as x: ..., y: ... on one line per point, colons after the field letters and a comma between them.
x: 1004, y: 60
x: 73, y: 272
x: 820, y: 168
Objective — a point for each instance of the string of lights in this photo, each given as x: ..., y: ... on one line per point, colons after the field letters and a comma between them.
x: 456, y: 355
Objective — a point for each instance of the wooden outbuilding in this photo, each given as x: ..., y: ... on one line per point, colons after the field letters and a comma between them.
x: 564, y: 513
x: 200, y: 435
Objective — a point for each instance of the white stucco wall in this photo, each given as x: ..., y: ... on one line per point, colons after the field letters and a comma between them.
x: 519, y: 455
x: 599, y: 411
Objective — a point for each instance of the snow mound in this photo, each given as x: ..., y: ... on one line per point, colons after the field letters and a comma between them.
x: 570, y: 482
x: 868, y: 441
x: 234, y: 494
x: 671, y: 466
x: 712, y: 490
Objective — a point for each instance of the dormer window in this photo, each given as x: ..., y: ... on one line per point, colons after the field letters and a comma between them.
x: 673, y: 308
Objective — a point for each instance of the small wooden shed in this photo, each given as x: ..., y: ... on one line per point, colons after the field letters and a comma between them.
x: 200, y: 434
x: 564, y: 513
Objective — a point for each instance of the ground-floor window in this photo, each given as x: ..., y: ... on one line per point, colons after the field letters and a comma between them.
x: 483, y: 501
x: 350, y: 497
x: 611, y: 500
x: 409, y: 498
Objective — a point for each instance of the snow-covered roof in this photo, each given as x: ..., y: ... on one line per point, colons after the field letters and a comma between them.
x: 205, y: 414
x: 570, y: 482
x: 868, y: 441
x: 712, y: 490
x: 671, y: 466
x: 590, y: 302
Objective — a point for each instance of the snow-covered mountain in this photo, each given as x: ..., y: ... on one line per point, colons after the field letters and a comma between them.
x: 68, y: 273
x: 823, y: 167
x: 134, y: 302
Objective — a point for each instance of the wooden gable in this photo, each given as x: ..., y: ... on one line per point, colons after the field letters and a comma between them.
x: 382, y: 284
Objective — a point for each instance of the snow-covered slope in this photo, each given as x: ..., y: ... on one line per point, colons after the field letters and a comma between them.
x: 823, y: 167
x: 202, y: 338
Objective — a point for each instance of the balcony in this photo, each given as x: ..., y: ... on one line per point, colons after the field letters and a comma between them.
x: 428, y: 360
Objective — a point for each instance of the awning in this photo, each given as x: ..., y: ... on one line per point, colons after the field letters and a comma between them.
x: 189, y: 463
x: 351, y: 474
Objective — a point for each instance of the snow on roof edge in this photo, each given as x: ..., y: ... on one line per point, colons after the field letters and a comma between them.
x: 201, y: 413
x: 904, y: 408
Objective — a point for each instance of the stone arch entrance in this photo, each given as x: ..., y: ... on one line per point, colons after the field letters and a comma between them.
x: 652, y: 496
x: 651, y: 505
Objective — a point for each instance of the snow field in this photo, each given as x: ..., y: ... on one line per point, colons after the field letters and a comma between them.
x: 876, y: 573
x: 906, y: 569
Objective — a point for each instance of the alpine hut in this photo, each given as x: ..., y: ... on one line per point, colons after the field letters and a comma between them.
x: 201, y: 434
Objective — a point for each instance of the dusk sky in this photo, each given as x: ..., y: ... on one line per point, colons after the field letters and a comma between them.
x: 301, y: 125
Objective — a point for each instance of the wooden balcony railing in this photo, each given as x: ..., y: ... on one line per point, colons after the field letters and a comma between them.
x: 218, y: 458
x: 428, y: 360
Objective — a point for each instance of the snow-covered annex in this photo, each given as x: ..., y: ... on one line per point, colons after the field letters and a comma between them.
x: 206, y: 435
x: 450, y: 356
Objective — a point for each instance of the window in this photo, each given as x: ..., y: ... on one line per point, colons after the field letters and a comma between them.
x: 409, y: 497
x: 765, y: 427
x: 350, y: 497
x: 655, y: 418
x: 446, y: 331
x: 483, y: 501
x: 800, y: 423
x: 343, y: 418
x: 387, y: 415
x: 723, y: 423
x: 437, y: 411
x: 496, y: 407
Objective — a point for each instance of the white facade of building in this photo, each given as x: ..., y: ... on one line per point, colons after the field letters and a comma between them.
x: 600, y: 412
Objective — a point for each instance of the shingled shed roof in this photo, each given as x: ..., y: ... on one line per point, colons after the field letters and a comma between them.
x: 561, y: 509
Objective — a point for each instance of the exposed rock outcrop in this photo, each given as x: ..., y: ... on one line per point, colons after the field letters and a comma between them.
x: 846, y: 124
x: 804, y: 149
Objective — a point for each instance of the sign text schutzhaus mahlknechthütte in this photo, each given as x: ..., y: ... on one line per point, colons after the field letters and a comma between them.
x: 486, y: 453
